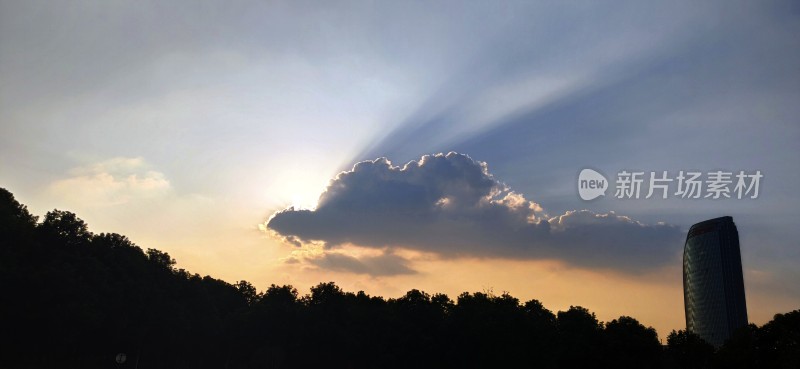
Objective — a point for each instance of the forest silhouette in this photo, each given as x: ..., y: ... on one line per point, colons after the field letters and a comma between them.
x: 75, y: 299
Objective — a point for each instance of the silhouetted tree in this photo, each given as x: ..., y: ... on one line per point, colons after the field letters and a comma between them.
x: 778, y: 341
x: 161, y: 259
x: 542, y: 333
x: 739, y: 351
x: 15, y: 220
x: 65, y: 226
x: 580, y: 337
x: 687, y: 350
x: 487, y: 330
x: 249, y: 292
x: 629, y: 344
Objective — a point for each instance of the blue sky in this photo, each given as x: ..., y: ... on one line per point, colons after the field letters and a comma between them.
x: 186, y: 125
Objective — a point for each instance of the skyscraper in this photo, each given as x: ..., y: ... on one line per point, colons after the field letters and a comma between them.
x: 713, y: 285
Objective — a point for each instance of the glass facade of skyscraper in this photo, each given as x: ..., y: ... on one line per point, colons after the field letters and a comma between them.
x: 713, y: 285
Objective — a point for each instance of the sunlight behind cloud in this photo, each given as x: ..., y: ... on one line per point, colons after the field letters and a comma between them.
x: 451, y: 205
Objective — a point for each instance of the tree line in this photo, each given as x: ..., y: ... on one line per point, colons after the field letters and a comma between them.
x: 72, y: 298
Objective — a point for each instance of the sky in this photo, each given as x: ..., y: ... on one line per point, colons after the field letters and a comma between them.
x: 387, y: 146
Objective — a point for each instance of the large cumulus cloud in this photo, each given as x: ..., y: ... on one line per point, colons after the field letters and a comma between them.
x: 450, y: 205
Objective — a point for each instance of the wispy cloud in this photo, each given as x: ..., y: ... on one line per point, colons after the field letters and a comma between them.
x: 111, y: 182
x: 386, y: 264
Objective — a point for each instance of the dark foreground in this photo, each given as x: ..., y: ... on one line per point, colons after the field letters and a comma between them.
x: 74, y: 299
